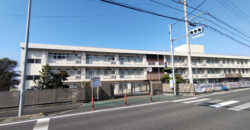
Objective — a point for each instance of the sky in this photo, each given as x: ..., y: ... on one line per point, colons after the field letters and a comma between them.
x: 97, y: 24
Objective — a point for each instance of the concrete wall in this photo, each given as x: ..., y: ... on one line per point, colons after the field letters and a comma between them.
x: 182, y: 89
x: 36, y: 97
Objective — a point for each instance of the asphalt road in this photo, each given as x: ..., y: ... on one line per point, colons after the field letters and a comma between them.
x: 230, y: 111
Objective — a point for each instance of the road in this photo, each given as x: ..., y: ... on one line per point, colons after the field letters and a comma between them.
x: 229, y: 110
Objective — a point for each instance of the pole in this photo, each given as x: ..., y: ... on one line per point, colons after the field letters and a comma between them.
x: 159, y: 77
x: 92, y: 99
x: 172, y: 58
x: 97, y: 94
x: 196, y: 73
x: 21, y: 96
x: 188, y: 44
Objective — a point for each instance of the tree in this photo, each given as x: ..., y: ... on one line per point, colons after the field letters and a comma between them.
x: 58, y: 78
x: 45, y: 81
x: 49, y: 80
x: 8, y: 75
x: 166, y: 78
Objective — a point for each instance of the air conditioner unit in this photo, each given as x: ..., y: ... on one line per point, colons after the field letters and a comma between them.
x: 113, y: 77
x: 113, y: 62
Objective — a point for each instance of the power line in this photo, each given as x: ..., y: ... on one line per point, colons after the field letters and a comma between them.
x: 143, y: 10
x: 214, y: 17
x: 224, y: 34
x: 160, y: 15
x: 198, y: 6
x: 166, y: 5
x: 203, y: 18
x: 236, y: 7
x: 230, y: 8
x: 228, y: 30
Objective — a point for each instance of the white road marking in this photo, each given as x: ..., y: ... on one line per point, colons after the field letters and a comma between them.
x: 185, y: 99
x: 199, y: 100
x: 223, y: 104
x: 42, y: 124
x: 89, y: 112
x: 240, y: 107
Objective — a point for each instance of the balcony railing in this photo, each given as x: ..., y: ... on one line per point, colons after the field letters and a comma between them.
x: 154, y: 76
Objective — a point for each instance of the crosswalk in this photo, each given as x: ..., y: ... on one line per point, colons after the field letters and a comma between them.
x: 232, y: 105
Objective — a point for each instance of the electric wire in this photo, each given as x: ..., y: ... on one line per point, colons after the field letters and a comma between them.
x: 216, y: 18
x: 160, y: 15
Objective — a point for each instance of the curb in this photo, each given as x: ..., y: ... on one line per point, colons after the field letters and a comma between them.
x: 25, y: 117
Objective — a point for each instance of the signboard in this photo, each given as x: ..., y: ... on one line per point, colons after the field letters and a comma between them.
x: 171, y: 83
x: 129, y: 85
x: 95, y: 82
x: 149, y: 69
x: 198, y: 35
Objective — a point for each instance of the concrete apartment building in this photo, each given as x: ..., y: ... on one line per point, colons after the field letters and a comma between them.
x: 129, y: 67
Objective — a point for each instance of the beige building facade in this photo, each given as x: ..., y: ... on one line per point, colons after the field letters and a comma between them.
x: 129, y: 67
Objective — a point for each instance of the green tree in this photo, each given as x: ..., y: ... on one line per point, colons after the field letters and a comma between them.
x: 166, y: 78
x: 49, y: 80
x: 8, y: 75
x: 45, y: 81
x: 58, y: 78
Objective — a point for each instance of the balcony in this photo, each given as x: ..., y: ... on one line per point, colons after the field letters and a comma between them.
x: 155, y: 76
x: 238, y: 75
x: 52, y: 61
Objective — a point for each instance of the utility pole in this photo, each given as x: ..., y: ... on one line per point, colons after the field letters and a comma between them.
x: 172, y: 57
x: 22, y: 91
x: 188, y: 44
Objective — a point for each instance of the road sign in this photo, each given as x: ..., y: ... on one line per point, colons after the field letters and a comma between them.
x: 149, y: 69
x: 95, y: 82
x: 129, y: 85
x: 198, y: 35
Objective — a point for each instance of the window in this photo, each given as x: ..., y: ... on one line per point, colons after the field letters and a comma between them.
x: 38, y: 61
x: 29, y: 77
x: 34, y: 61
x: 32, y: 77
x: 98, y: 72
x: 36, y: 77
x: 31, y: 60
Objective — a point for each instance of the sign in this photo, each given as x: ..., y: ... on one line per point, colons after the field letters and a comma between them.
x: 171, y: 83
x: 95, y: 82
x: 198, y: 35
x: 149, y: 69
x: 129, y: 85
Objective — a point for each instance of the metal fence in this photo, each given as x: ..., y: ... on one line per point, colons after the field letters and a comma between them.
x: 133, y: 88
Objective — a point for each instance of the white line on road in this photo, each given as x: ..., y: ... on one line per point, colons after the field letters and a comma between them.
x: 89, y: 112
x: 186, y: 99
x: 223, y: 104
x: 199, y: 100
x: 240, y: 107
x: 42, y: 124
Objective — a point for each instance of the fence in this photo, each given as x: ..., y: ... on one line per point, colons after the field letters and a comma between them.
x: 210, y: 87
x: 37, y: 97
x: 133, y: 88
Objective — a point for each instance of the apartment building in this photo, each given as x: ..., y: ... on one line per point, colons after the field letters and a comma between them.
x: 129, y: 67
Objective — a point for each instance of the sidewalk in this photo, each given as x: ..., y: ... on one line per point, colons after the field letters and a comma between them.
x: 45, y: 109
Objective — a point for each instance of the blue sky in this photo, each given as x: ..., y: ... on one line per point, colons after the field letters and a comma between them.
x: 97, y: 24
